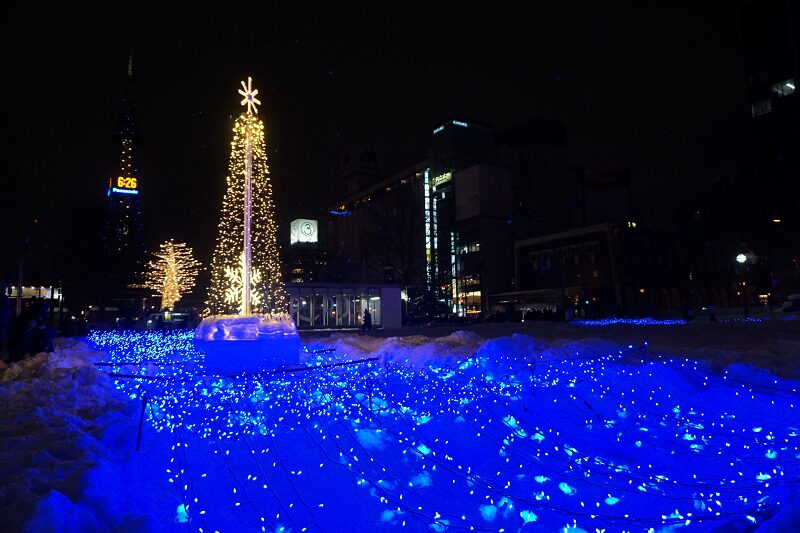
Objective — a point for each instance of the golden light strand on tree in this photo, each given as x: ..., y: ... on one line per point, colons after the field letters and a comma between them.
x: 230, y: 239
x: 173, y: 272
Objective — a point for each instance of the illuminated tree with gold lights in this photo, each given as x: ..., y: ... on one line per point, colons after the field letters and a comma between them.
x: 245, y: 270
x: 173, y: 272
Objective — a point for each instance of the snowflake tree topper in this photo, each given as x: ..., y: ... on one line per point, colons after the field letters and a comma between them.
x: 249, y: 94
x: 234, y: 294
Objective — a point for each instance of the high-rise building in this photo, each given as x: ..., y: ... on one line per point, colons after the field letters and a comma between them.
x: 376, y: 234
x: 457, y: 144
x: 606, y: 196
x: 123, y: 236
x: 771, y: 46
x: 444, y: 229
x: 548, y: 189
x: 526, y: 188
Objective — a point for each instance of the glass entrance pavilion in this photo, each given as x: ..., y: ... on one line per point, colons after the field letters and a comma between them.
x: 335, y: 305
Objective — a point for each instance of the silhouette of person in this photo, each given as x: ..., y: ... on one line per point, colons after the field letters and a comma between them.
x: 367, y: 321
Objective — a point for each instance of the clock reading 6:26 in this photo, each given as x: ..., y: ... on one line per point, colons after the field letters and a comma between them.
x: 126, y: 183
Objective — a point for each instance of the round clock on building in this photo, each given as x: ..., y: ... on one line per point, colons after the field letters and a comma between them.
x: 303, y: 230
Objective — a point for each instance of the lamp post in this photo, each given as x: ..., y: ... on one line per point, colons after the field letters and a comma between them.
x: 742, y: 260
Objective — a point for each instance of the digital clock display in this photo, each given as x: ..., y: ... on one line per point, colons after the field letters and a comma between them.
x: 124, y: 185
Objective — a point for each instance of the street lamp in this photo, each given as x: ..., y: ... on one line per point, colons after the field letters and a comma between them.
x: 742, y: 259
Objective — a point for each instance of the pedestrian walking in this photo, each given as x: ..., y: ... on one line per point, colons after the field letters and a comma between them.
x: 367, y: 326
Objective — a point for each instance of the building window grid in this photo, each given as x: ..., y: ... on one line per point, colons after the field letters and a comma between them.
x: 783, y: 88
x: 470, y: 280
x: 470, y: 248
x: 472, y: 302
x: 762, y: 107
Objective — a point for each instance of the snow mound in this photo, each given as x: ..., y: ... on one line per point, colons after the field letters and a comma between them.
x: 421, y: 351
x: 412, y: 350
x: 56, y: 414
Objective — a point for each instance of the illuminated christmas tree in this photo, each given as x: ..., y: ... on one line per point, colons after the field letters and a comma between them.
x: 245, y: 269
x: 173, y: 272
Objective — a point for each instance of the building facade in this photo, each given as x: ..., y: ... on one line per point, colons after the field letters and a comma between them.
x: 617, y: 269
x: 444, y: 228
x: 771, y: 46
x: 376, y: 235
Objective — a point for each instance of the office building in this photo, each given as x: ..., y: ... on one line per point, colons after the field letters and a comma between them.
x: 444, y: 229
x: 771, y: 46
x: 617, y: 269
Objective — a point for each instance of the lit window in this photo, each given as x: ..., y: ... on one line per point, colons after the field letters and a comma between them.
x: 762, y: 107
x: 783, y: 88
x: 471, y: 247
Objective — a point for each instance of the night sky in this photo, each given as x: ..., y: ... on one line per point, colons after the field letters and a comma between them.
x: 638, y: 87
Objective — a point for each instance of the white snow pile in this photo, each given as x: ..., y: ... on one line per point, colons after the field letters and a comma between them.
x: 420, y: 351
x: 772, y: 344
x: 409, y: 350
x: 61, y: 424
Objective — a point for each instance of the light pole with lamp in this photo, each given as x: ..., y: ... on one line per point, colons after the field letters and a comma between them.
x: 742, y: 259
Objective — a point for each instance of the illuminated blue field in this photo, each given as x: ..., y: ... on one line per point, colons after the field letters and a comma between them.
x: 631, y: 322
x: 658, y: 321
x: 622, y: 441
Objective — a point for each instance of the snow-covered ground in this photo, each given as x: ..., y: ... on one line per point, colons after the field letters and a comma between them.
x: 502, y: 427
